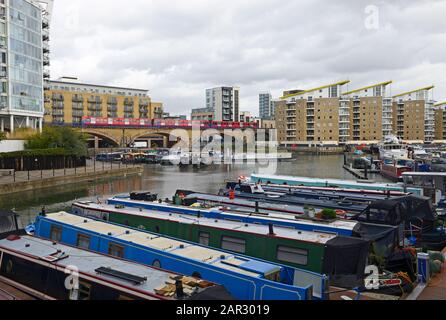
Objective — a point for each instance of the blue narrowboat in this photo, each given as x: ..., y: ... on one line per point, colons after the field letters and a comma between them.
x: 338, y: 227
x: 244, y: 277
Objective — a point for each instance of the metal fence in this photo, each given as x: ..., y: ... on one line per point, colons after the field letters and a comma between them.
x: 91, y: 166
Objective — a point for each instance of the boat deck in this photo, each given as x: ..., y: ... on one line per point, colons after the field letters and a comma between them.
x: 436, y: 290
x: 8, y: 292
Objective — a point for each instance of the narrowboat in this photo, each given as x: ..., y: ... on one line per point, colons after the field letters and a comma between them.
x: 325, y: 193
x: 255, y: 192
x: 313, y: 251
x: 42, y: 268
x: 245, y: 278
x: 333, y: 183
x: 383, y: 236
x: 280, y: 216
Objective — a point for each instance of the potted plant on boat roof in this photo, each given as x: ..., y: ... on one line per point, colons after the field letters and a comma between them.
x: 328, y: 214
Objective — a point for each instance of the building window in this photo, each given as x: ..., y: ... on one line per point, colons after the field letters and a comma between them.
x: 56, y: 233
x: 116, y: 250
x: 203, y: 238
x: 233, y: 244
x: 83, y: 241
x: 293, y: 255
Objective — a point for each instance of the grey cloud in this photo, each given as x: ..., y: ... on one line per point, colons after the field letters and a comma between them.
x: 178, y: 48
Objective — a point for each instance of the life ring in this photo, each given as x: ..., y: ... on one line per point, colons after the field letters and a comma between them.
x: 341, y: 213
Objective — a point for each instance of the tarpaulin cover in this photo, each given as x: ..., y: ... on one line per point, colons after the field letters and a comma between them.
x: 7, y: 221
x: 213, y: 293
x: 395, y: 211
x: 384, y: 238
x: 345, y: 261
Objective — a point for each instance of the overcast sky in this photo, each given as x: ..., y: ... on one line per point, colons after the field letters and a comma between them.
x: 178, y: 48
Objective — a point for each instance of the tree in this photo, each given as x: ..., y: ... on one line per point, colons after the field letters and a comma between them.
x: 2, y: 136
x: 58, y: 137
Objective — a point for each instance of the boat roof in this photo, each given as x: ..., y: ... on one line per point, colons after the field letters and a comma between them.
x: 187, y: 250
x: 272, y: 216
x: 88, y: 262
x: 425, y: 174
x: 327, y: 181
x: 258, y: 229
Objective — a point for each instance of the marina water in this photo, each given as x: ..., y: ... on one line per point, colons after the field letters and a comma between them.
x: 165, y: 180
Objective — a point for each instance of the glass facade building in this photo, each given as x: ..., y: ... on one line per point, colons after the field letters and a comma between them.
x: 22, y: 64
x: 266, y: 106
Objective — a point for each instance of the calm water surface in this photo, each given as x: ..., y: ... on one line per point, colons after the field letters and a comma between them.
x: 165, y: 180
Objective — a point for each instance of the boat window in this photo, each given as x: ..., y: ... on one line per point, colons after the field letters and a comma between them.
x: 56, y: 233
x: 204, y: 238
x: 116, y: 250
x: 273, y: 276
x: 157, y: 264
x: 293, y: 255
x: 83, y: 241
x: 233, y: 244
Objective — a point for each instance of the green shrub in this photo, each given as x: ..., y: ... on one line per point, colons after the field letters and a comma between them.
x: 59, y: 138
x: 329, y: 214
x: 36, y: 153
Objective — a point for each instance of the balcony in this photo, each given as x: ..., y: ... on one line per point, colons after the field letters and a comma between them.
x: 78, y: 114
x: 57, y: 97
x: 94, y: 107
x: 129, y: 102
x: 95, y: 100
x: 77, y: 98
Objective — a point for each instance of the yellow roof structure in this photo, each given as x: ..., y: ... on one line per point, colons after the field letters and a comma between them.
x: 440, y: 104
x: 340, y: 83
x: 368, y: 87
x: 413, y: 91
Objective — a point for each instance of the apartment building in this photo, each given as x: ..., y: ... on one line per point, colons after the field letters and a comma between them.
x: 310, y: 116
x: 245, y: 116
x: 414, y: 115
x: 440, y: 121
x: 203, y: 114
x: 365, y: 114
x: 267, y: 106
x: 224, y: 103
x: 24, y: 49
x: 67, y: 100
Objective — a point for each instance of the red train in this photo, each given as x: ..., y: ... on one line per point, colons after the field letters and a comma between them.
x: 164, y: 123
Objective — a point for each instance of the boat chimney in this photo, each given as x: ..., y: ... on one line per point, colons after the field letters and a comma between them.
x: 257, y: 207
x: 179, y: 289
x: 271, y: 230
